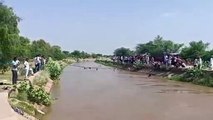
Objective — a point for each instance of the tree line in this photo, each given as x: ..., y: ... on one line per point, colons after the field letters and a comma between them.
x: 159, y: 46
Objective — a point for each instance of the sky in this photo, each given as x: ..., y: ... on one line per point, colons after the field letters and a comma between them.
x: 101, y: 26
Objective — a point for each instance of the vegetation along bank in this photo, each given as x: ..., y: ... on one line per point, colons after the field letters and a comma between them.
x: 30, y: 98
x: 193, y: 75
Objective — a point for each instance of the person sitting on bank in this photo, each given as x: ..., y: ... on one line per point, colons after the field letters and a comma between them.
x: 15, y: 64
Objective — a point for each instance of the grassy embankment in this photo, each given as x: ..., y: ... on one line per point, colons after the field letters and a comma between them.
x: 32, y: 97
x: 195, y: 76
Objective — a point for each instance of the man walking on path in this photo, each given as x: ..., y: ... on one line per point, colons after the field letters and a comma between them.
x: 15, y: 64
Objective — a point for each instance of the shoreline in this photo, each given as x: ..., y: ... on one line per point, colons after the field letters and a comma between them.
x: 173, y: 74
x: 47, y: 87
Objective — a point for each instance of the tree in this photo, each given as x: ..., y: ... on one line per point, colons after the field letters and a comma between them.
x: 23, y: 48
x: 195, y: 50
x: 67, y: 53
x: 123, y: 52
x: 40, y: 47
x: 57, y: 54
x: 208, y: 55
x: 158, y: 47
x: 8, y: 34
x: 76, y: 53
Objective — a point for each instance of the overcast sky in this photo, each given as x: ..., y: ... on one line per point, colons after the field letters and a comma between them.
x: 101, y: 26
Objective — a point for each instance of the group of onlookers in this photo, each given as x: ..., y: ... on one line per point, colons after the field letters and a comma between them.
x: 198, y: 63
x: 168, y: 60
x: 39, y: 62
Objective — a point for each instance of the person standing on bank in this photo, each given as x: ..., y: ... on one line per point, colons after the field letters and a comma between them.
x: 27, y: 68
x: 211, y: 63
x: 15, y: 64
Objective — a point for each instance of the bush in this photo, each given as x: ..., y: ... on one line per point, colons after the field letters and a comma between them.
x: 33, y: 94
x: 62, y: 64
x: 23, y: 86
x: 54, y: 69
x: 195, y: 76
x: 39, y: 96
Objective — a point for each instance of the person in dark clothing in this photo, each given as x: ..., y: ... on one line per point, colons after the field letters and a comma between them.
x: 42, y: 62
x: 15, y: 64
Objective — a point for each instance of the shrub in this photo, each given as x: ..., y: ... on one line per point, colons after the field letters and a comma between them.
x: 23, y: 86
x: 195, y: 76
x: 39, y: 96
x: 33, y: 94
x: 54, y: 69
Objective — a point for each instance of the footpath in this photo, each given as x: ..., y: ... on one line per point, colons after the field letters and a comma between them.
x: 6, y: 112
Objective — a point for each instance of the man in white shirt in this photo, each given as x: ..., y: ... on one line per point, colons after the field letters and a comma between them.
x: 211, y: 62
x: 15, y: 64
x: 200, y: 63
x: 26, y: 67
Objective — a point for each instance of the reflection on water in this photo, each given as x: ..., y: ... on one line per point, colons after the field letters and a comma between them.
x: 108, y: 94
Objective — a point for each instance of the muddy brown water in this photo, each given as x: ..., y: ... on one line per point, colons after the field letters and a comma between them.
x: 109, y: 94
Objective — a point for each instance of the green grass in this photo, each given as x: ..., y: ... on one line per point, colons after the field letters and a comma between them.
x: 24, y: 106
x: 6, y: 76
x: 195, y: 76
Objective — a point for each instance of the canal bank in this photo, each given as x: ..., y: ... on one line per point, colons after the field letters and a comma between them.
x: 7, y: 111
x: 109, y: 94
x: 29, y: 98
x: 190, y: 75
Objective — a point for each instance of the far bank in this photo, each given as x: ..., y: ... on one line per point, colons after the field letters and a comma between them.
x: 191, y: 75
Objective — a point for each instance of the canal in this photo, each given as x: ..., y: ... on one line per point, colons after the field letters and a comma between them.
x: 109, y: 94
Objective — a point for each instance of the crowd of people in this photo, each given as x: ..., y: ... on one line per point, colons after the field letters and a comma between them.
x: 39, y: 62
x: 168, y: 60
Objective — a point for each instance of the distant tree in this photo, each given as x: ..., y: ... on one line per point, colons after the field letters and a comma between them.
x: 123, y: 52
x: 93, y: 55
x: 76, y: 54
x: 41, y: 47
x: 158, y: 47
x: 195, y: 50
x: 66, y: 53
x: 57, y: 54
x: 84, y: 55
